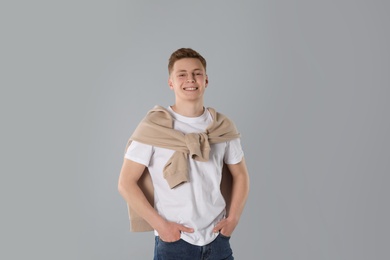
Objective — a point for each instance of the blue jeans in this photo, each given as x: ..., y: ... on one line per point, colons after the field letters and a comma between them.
x: 219, y: 249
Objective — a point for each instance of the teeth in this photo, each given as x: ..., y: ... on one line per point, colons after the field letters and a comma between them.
x: 190, y: 88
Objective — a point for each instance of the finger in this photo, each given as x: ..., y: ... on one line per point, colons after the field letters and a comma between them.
x: 186, y: 229
x: 218, y: 227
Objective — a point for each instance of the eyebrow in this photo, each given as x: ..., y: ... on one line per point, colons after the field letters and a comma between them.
x: 186, y: 70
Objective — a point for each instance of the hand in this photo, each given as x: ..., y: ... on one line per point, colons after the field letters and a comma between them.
x: 225, y: 227
x: 170, y: 231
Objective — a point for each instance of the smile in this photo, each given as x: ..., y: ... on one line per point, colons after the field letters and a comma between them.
x: 191, y: 88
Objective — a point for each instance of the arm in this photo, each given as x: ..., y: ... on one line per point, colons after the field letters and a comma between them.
x: 128, y: 187
x: 240, y: 192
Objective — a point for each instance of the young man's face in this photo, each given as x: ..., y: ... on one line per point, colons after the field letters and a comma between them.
x: 188, y: 79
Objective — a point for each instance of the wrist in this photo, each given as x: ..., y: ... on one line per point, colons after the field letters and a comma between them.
x: 159, y: 223
x: 233, y: 218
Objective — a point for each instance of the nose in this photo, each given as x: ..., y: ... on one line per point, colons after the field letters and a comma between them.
x: 190, y: 79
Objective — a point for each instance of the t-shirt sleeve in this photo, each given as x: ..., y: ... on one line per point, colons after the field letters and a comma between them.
x: 139, y: 152
x: 233, y: 152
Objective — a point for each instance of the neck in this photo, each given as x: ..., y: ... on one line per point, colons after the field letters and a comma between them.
x: 189, y: 110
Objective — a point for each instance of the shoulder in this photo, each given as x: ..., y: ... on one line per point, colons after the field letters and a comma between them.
x: 219, y: 117
x: 160, y: 116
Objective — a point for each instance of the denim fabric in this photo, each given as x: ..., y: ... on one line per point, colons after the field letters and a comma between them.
x: 219, y: 249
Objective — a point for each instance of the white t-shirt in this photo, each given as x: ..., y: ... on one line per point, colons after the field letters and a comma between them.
x: 198, y: 203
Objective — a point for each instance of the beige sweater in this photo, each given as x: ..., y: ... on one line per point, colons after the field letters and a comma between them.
x: 157, y: 129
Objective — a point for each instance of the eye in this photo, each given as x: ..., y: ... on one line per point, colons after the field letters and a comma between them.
x: 181, y: 75
x: 199, y: 74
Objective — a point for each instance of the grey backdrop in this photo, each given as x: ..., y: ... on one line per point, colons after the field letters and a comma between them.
x: 307, y: 83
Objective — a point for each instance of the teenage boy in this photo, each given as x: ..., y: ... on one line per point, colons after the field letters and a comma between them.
x: 184, y: 174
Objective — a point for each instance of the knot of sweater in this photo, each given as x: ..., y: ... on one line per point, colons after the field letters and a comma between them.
x: 198, y: 146
x: 176, y: 169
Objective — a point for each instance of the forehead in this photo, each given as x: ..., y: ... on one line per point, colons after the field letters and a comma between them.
x: 187, y: 64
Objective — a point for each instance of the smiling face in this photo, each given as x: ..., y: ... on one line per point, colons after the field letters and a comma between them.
x: 188, y: 80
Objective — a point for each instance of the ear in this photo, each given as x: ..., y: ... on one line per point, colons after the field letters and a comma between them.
x: 207, y: 81
x: 170, y: 83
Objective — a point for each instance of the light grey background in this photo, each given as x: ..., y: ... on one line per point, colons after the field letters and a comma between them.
x: 307, y: 83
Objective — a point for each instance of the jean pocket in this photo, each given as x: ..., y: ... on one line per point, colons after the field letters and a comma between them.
x: 223, y: 236
x: 170, y: 243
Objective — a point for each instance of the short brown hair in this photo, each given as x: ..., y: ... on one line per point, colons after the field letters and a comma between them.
x: 184, y: 53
